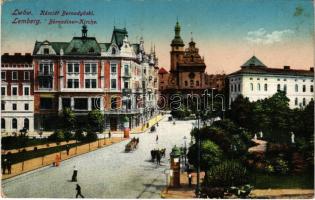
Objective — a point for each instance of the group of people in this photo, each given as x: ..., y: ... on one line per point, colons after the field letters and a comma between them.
x: 74, y: 179
x: 6, y: 165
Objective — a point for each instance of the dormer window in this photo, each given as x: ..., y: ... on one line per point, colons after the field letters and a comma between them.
x: 113, y: 51
x: 91, y: 50
x: 46, y: 51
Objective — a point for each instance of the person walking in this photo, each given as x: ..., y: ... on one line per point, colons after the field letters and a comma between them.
x: 67, y: 149
x: 4, y: 165
x: 75, y: 174
x: 109, y: 134
x: 78, y: 189
x: 9, y: 166
x: 158, y: 157
x: 189, y: 179
x: 157, y: 139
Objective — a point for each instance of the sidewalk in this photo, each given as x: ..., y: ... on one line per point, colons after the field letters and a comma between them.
x: 186, y: 192
x: 29, y: 165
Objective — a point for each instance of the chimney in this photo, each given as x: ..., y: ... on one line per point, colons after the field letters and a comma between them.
x: 286, y: 67
x: 312, y: 69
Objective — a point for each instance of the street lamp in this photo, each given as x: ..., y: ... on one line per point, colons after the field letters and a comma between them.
x: 198, y: 157
x: 185, y: 149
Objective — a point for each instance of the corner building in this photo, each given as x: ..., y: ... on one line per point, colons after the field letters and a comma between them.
x: 84, y: 74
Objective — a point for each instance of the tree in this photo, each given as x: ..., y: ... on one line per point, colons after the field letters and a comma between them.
x: 57, y: 136
x: 68, y: 120
x: 211, y: 155
x: 95, y: 120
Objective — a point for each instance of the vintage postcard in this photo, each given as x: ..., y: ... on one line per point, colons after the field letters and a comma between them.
x: 157, y: 99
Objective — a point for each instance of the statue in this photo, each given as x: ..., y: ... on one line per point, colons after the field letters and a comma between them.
x: 255, y: 137
x: 292, y: 138
x: 261, y: 134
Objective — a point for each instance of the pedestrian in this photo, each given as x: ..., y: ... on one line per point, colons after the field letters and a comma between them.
x: 75, y: 174
x: 189, y: 179
x: 109, y: 134
x: 9, y: 166
x: 158, y: 157
x: 157, y: 139
x: 4, y: 165
x: 157, y: 124
x: 78, y: 189
x: 67, y: 149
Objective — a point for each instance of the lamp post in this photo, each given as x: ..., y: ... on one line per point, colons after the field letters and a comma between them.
x: 185, y: 150
x: 198, y: 158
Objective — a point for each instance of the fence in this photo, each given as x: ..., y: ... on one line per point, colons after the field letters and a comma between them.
x: 46, y: 160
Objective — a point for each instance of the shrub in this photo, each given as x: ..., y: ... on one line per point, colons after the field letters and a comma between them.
x: 90, y: 137
x: 281, y: 166
x: 79, y: 135
x: 57, y: 136
x: 226, y: 174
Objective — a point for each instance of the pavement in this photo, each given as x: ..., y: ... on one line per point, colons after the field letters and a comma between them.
x: 107, y: 172
x: 261, y: 146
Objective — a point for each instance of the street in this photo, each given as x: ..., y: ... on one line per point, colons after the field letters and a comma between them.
x: 108, y: 172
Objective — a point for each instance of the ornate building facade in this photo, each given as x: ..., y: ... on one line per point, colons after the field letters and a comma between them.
x: 119, y: 78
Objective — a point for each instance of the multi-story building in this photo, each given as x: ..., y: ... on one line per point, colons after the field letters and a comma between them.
x: 257, y: 81
x: 17, y: 100
x: 84, y: 74
x: 187, y: 70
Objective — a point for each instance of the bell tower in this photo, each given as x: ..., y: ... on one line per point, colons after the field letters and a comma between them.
x: 177, y: 45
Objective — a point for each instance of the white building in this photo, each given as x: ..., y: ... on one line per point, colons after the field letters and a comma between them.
x: 17, y: 100
x: 257, y: 81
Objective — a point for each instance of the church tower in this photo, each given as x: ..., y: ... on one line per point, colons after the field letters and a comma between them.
x: 177, y: 48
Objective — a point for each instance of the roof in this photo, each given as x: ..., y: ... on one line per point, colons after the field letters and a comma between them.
x: 253, y: 62
x: 118, y: 36
x: 273, y: 71
x: 83, y: 45
x: 16, y: 58
x: 162, y: 71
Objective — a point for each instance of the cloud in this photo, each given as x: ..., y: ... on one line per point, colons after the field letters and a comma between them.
x: 261, y: 36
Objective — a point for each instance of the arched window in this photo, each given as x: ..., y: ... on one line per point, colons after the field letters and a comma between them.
x: 191, y: 83
x: 296, y: 87
x: 14, y: 123
x: 278, y: 87
x: 186, y: 83
x: 239, y: 87
x: 197, y: 83
x: 251, y: 87
x: 2, y: 123
x: 266, y: 87
x: 304, y: 102
x: 296, y: 102
x: 312, y: 88
x: 113, y: 51
x: 285, y: 87
x: 26, y: 123
x: 258, y: 86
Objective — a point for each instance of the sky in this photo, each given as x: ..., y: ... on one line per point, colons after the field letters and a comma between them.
x: 227, y: 32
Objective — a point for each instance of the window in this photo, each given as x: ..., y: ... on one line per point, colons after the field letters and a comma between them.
x: 26, y: 91
x: 285, y: 87
x: 197, y: 83
x: 90, y: 68
x: 113, y: 83
x: 73, y: 83
x: 312, y: 88
x: 96, y: 103
x: 3, y: 76
x: 278, y: 87
x: 81, y: 103
x: 113, y: 51
x: 46, y: 51
x: 304, y: 102
x: 296, y: 87
x: 266, y: 87
x: 186, y: 83
x: 266, y: 79
x: 26, y: 123
x: 250, y: 78
x: 258, y: 86
x: 66, y: 103
x: 113, y: 68
x: 14, y: 75
x: 284, y: 79
x: 251, y: 87
x: 14, y: 90
x: 2, y: 123
x: 258, y: 78
x: 239, y: 87
x: 14, y: 123
x: 2, y: 105
x: 46, y: 68
x: 278, y: 79
x: 3, y: 92
x: 73, y: 68
x: 27, y: 75
x: 26, y: 106
x: 296, y: 102
x: 126, y: 84
x: 126, y: 68
x: 14, y: 106
x: 191, y: 83
x: 46, y: 103
x: 90, y: 83
x: 304, y: 88
x: 45, y: 84
x: 113, y: 102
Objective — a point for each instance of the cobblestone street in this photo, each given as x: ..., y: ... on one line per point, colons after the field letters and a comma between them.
x: 107, y: 172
